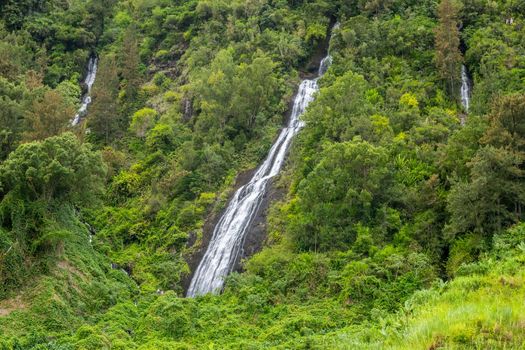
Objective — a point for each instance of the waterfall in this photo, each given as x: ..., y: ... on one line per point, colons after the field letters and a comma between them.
x: 88, y: 81
x: 325, y: 63
x: 465, y: 88
x: 228, y: 235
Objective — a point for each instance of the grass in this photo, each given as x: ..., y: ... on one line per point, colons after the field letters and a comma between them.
x: 84, y: 304
x: 79, y: 289
x: 479, y: 311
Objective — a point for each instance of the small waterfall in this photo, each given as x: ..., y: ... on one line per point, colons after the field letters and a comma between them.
x: 89, y: 81
x: 327, y: 61
x: 325, y: 64
x: 465, y: 88
x: 228, y: 235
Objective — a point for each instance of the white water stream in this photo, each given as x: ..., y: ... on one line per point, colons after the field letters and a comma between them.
x: 465, y: 94
x: 465, y: 88
x: 229, y: 233
x: 86, y: 99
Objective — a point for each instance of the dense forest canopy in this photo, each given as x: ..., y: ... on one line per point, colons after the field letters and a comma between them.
x: 398, y: 216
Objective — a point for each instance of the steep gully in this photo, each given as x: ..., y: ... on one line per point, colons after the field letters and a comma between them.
x: 230, y: 231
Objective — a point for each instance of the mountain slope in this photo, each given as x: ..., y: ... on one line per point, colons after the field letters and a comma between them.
x: 399, y: 224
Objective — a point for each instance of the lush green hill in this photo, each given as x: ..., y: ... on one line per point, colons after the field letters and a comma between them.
x: 481, y: 308
x: 78, y: 285
x: 399, y: 223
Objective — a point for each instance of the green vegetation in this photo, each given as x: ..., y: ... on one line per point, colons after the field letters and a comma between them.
x: 398, y: 228
x: 41, y: 182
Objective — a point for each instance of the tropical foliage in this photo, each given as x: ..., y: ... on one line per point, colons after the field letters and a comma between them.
x: 397, y: 226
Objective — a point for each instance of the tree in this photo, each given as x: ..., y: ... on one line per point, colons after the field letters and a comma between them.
x: 49, y: 116
x: 448, y: 56
x: 97, y: 13
x: 14, y: 12
x: 39, y: 184
x: 461, y: 146
x: 213, y: 88
x: 233, y: 98
x: 350, y: 185
x: 142, y: 121
x: 255, y: 85
x: 408, y: 113
x: 495, y: 195
x: 12, y: 110
x: 376, y: 7
x: 332, y: 117
x: 507, y: 123
x: 58, y: 168
x: 103, y: 117
x: 129, y: 69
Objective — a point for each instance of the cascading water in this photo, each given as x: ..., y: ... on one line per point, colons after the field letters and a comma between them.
x: 228, y: 235
x: 465, y: 88
x: 89, y: 81
x: 325, y: 64
x: 465, y: 94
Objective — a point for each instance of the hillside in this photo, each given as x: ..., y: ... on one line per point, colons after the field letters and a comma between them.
x: 313, y: 174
